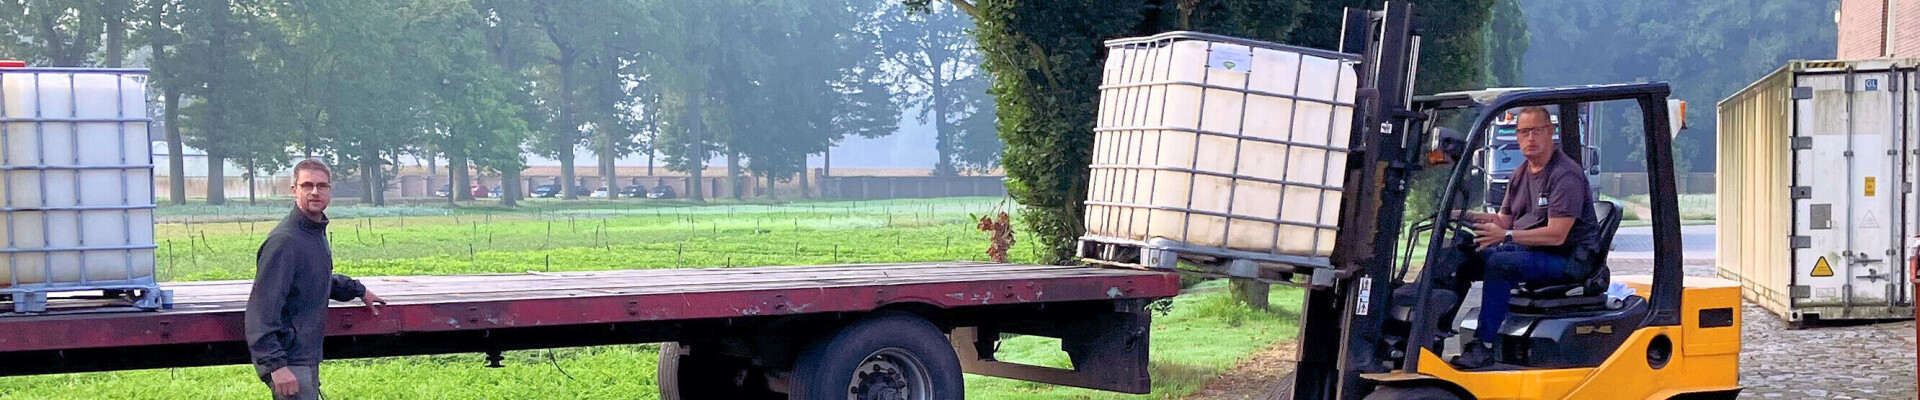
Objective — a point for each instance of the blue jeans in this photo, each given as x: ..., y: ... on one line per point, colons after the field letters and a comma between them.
x: 1507, y: 265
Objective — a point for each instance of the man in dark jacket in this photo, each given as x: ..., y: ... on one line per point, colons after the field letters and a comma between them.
x: 287, y: 311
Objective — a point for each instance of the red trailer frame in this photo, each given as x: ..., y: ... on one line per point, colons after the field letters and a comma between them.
x: 765, y: 314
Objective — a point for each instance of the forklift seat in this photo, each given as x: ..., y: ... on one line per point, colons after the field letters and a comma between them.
x: 1586, y: 293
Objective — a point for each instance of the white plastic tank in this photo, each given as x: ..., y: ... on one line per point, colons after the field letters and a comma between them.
x: 76, y: 176
x: 1228, y: 144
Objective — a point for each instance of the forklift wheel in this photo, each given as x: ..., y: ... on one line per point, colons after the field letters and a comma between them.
x: 1411, y: 393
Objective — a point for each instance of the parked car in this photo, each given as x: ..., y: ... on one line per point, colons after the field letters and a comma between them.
x: 495, y: 192
x: 634, y: 191
x: 552, y: 190
x: 444, y: 191
x: 547, y: 191
x: 479, y: 191
x: 661, y: 192
x: 600, y: 193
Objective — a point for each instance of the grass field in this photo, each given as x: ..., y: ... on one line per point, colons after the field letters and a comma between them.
x: 1202, y: 335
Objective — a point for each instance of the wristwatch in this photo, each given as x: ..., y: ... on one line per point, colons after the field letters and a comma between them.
x: 1509, y: 236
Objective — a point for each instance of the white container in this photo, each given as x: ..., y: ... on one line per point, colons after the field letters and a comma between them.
x: 76, y: 176
x: 1817, y: 167
x: 1223, y: 143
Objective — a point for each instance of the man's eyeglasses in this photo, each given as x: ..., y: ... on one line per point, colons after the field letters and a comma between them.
x: 310, y: 186
x: 1538, y: 130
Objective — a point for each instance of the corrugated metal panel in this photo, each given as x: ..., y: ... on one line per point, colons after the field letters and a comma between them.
x: 1752, y: 202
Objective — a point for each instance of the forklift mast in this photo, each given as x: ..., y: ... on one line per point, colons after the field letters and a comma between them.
x: 1341, y: 324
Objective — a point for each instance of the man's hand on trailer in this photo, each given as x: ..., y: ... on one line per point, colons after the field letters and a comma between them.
x: 373, y: 303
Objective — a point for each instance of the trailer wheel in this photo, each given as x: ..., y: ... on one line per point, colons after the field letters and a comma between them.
x: 690, y: 377
x: 890, y: 356
x: 1411, y: 393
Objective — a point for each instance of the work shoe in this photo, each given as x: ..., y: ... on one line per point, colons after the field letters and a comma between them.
x: 1474, y: 355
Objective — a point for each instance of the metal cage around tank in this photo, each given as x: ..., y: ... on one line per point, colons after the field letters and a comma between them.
x: 78, y: 214
x: 1259, y: 189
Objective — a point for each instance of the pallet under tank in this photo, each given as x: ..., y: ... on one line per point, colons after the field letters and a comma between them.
x: 1816, y: 206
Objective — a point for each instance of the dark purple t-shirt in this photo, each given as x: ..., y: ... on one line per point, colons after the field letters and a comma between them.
x: 1558, y: 191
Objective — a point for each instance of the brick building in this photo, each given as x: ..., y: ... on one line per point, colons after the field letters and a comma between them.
x: 1878, y: 28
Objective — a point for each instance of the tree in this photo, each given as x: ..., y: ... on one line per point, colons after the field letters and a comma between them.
x: 470, y: 116
x: 1045, y: 60
x: 347, y: 87
x: 937, y: 72
x: 697, y: 76
x: 1706, y: 49
x: 1505, y: 40
x: 512, y: 42
x: 217, y: 73
x: 577, y: 29
x: 62, y: 33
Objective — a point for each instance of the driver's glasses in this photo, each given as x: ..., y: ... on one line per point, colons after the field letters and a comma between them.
x: 313, y: 187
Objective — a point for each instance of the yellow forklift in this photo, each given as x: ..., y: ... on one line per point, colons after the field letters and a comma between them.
x: 1379, y: 330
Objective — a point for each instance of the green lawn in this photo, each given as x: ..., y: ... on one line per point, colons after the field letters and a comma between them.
x: 1202, y: 335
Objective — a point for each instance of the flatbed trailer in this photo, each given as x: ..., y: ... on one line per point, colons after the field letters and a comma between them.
x: 771, y: 324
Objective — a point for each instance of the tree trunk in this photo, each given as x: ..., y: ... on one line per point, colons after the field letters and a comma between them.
x: 376, y: 178
x: 805, y: 191
x: 462, y: 186
x: 826, y: 162
x: 733, y: 174
x: 176, y: 162
x: 696, y: 190
x: 216, y: 179
x: 943, y: 140
x: 607, y: 174
x: 452, y: 178
x: 564, y: 146
x: 116, y: 33
x: 510, y: 188
x: 252, y: 187
x: 770, y: 192
x: 368, y: 164
x: 433, y: 165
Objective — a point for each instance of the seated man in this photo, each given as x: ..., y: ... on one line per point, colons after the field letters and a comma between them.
x: 1543, y: 235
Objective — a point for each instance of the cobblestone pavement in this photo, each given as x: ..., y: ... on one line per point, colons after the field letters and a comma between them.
x: 1866, y: 361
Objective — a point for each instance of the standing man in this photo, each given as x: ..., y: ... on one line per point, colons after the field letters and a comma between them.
x: 287, y: 311
x: 1545, y: 233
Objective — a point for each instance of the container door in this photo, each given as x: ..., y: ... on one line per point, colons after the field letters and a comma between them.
x: 1845, y: 196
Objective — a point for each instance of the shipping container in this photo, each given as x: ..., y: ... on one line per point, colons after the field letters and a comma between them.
x: 1221, y: 145
x: 1815, y: 194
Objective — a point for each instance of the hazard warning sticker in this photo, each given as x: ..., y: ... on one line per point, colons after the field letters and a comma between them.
x: 1820, y: 268
x: 1870, y: 186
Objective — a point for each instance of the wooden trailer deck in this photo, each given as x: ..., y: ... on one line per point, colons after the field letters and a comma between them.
x: 205, y: 321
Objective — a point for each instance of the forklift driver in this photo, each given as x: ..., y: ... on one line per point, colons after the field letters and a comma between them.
x: 1544, y: 234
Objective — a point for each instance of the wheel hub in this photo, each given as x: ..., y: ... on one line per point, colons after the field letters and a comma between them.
x: 889, y: 374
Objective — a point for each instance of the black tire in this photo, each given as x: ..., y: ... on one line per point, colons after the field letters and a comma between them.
x: 1411, y: 393
x: 893, y: 353
x: 690, y: 377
